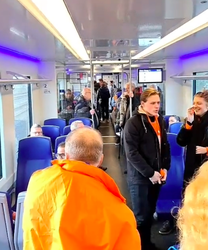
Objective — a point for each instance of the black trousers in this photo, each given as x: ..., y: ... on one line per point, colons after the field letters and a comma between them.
x: 144, y: 198
x: 105, y: 110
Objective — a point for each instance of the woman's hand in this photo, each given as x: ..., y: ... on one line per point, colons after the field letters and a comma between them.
x: 190, y: 116
x: 201, y: 150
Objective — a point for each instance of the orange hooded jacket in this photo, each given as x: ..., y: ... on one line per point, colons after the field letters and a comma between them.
x: 75, y: 206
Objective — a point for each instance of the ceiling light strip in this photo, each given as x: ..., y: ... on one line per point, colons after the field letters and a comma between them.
x: 110, y: 62
x: 194, y: 25
x: 55, y: 17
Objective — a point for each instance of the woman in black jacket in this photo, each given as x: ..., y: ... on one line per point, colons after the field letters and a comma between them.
x: 147, y: 152
x: 194, y: 135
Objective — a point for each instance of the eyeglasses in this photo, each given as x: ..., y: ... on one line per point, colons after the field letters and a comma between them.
x: 60, y: 156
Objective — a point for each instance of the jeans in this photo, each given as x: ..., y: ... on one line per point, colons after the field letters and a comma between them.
x: 144, y: 198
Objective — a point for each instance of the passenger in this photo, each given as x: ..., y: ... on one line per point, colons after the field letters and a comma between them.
x: 124, y: 108
x: 103, y: 99
x: 75, y: 205
x: 76, y: 124
x: 124, y: 111
x: 147, y: 153
x: 79, y: 124
x: 193, y: 217
x: 173, y: 119
x: 193, y: 135
x: 83, y: 107
x: 68, y: 102
x: 36, y: 130
x: 96, y: 86
x: 61, y: 151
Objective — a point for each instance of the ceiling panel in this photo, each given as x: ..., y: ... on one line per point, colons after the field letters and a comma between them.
x: 130, y: 24
x: 193, y: 43
x: 20, y: 31
x: 111, y: 29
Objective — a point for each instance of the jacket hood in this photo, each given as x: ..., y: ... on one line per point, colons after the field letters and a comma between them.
x: 142, y: 111
x: 91, y: 171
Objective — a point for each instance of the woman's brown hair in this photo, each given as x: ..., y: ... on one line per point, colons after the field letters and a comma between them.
x: 147, y: 93
x: 203, y: 94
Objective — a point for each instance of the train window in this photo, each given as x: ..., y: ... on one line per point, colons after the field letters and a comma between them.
x: 200, y: 85
x: 22, y: 110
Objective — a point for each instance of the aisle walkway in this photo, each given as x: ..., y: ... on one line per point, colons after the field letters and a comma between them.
x: 115, y: 170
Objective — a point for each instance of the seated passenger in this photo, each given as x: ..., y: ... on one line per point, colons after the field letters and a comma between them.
x: 76, y: 124
x: 36, y: 130
x: 173, y: 119
x: 75, y: 205
x: 193, y: 216
x: 61, y: 151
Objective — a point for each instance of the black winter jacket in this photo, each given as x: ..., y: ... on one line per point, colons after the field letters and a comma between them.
x: 197, y: 136
x: 144, y: 155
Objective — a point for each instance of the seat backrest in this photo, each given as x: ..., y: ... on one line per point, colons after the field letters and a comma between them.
x: 18, y: 232
x: 67, y: 130
x: 171, y: 192
x: 61, y: 123
x: 58, y: 141
x: 6, y: 225
x: 34, y: 153
x: 51, y: 131
x: 86, y: 121
x: 175, y: 127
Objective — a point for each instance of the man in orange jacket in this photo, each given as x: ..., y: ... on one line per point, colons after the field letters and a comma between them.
x: 75, y: 205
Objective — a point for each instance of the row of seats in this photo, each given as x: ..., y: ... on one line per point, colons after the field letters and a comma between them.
x: 53, y: 128
x: 63, y: 127
x: 11, y: 238
x: 34, y: 153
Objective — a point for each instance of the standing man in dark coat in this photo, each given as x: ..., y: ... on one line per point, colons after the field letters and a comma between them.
x: 148, y: 160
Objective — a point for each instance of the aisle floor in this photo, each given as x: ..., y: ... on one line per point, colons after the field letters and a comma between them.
x: 115, y: 170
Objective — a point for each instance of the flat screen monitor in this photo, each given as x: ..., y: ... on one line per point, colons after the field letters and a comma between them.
x: 151, y: 75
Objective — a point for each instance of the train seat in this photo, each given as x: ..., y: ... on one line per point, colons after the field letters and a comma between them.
x: 67, y: 130
x: 34, y: 153
x: 86, y: 121
x: 175, y: 127
x: 6, y: 225
x: 58, y: 141
x: 18, y: 232
x: 171, y: 193
x: 51, y: 131
x: 61, y: 123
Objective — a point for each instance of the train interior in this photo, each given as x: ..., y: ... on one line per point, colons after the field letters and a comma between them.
x: 49, y: 47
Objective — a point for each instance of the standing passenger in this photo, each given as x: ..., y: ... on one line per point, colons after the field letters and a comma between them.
x: 193, y: 135
x: 75, y: 205
x: 103, y: 99
x: 148, y: 153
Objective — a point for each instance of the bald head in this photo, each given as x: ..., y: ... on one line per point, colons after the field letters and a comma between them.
x: 86, y: 92
x: 85, y: 144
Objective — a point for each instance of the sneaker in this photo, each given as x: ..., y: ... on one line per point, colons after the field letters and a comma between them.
x: 166, y: 229
x: 117, y: 144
